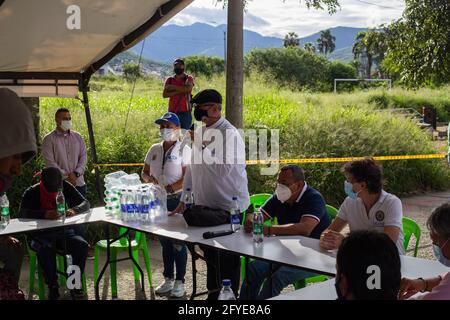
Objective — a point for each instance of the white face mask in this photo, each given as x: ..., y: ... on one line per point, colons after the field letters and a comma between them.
x: 283, y: 192
x: 66, y: 125
x: 168, y: 134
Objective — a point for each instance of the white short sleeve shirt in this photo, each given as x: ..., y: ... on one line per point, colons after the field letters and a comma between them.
x: 168, y: 168
x: 387, y: 211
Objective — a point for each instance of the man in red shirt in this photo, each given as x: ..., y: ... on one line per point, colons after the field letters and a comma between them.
x: 178, y: 89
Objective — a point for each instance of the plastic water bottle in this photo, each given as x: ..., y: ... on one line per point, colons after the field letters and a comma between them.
x: 131, y: 205
x: 235, y: 216
x: 145, y: 206
x: 258, y: 224
x: 61, y: 204
x: 226, y: 293
x: 188, y: 199
x: 4, y: 205
x: 123, y: 204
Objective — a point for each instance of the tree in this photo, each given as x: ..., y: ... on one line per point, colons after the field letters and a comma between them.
x: 326, y: 43
x: 291, y: 40
x: 332, y: 5
x: 418, y: 44
x: 310, y: 47
x: 131, y: 70
x: 369, y: 47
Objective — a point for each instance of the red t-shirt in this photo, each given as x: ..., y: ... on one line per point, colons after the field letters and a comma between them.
x: 180, y: 102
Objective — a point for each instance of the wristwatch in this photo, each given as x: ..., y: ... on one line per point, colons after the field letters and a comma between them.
x: 77, y: 174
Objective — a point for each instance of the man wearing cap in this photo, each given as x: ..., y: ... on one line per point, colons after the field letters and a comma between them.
x: 17, y: 147
x: 178, y: 89
x: 39, y: 202
x: 216, y: 175
x: 165, y: 164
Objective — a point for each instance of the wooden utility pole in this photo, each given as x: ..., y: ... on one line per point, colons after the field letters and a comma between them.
x: 33, y: 106
x: 235, y: 63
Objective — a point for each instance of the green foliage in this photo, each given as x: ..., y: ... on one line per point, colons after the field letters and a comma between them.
x: 339, y: 70
x: 131, y: 70
x: 419, y: 44
x: 371, y: 45
x: 204, y: 66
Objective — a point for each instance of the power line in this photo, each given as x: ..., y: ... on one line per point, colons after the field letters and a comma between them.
x: 379, y: 5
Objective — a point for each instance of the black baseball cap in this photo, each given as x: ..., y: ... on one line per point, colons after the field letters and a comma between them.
x: 178, y: 61
x: 208, y: 95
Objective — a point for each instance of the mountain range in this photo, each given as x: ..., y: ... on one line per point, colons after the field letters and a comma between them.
x: 172, y: 41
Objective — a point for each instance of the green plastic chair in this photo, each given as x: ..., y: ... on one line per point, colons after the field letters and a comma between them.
x: 411, y: 227
x: 41, y: 284
x: 121, y: 245
x: 332, y: 213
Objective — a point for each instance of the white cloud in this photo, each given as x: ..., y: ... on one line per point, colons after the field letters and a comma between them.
x: 276, y: 18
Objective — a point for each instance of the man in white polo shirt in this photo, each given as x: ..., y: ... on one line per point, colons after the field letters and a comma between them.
x: 165, y: 164
x: 367, y: 206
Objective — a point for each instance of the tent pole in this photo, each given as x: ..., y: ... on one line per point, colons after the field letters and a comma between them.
x: 92, y: 141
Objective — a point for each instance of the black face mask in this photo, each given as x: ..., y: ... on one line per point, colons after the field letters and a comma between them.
x: 199, y: 114
x: 178, y: 71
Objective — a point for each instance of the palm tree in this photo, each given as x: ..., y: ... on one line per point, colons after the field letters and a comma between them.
x: 326, y: 43
x: 291, y: 40
x: 369, y: 46
x: 310, y: 47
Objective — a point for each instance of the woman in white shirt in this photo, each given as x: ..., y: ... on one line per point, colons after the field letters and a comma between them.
x: 165, y: 164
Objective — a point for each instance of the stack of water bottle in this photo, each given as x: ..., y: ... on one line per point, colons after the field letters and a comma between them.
x: 128, y: 199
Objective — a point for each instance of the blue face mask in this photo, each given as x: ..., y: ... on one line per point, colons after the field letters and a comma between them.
x: 440, y: 256
x: 348, y: 187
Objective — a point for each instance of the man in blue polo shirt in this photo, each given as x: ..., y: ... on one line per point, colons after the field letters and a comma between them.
x: 300, y: 210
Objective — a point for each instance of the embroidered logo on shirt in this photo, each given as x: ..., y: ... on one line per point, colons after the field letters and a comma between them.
x: 379, y: 215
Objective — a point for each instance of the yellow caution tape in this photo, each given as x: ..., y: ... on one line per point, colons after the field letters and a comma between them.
x: 305, y: 160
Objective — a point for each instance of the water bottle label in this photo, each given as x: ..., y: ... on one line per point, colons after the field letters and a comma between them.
x: 188, y: 205
x: 123, y: 208
x: 145, y: 208
x: 5, y: 211
x: 130, y: 208
x: 257, y: 228
x: 235, y: 219
x: 61, y: 208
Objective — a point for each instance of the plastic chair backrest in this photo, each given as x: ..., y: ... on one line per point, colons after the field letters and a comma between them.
x: 332, y: 211
x: 411, y: 227
x: 257, y: 200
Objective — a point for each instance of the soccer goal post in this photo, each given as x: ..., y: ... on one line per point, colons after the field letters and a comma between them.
x: 389, y: 81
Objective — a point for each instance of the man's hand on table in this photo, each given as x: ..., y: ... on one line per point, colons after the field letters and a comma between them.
x: 51, y: 215
x: 10, y: 241
x: 179, y: 209
x: 70, y: 213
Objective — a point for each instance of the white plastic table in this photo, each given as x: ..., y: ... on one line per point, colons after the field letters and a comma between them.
x: 29, y: 225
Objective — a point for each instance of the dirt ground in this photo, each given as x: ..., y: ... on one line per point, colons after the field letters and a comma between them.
x: 417, y: 207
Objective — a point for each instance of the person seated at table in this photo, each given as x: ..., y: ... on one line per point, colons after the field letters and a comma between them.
x: 437, y: 288
x: 165, y: 164
x: 300, y: 210
x: 367, y: 267
x: 39, y: 202
x: 367, y: 206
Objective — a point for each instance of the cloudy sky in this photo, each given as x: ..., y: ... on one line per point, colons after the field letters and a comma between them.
x: 275, y: 18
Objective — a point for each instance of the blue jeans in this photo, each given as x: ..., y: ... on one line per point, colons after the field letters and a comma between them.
x: 185, y: 119
x: 258, y: 272
x: 173, y: 251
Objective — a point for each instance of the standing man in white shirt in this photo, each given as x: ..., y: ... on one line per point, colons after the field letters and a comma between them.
x: 165, y: 164
x: 367, y: 206
x: 216, y: 175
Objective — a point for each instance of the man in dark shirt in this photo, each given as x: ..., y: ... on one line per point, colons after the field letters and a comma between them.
x: 39, y: 202
x: 300, y: 210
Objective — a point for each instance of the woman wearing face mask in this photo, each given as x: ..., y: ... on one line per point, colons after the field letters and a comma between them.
x: 165, y: 164
x: 367, y: 206
x: 437, y: 288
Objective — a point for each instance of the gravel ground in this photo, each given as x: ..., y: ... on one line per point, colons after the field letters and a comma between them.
x: 417, y: 207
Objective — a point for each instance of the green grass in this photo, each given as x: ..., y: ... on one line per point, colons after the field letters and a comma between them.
x: 310, y: 124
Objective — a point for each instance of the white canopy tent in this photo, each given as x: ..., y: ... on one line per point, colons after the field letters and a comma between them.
x: 52, y: 47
